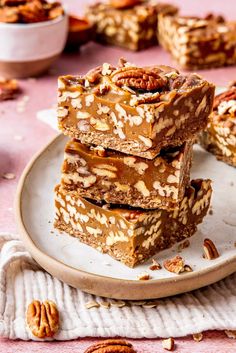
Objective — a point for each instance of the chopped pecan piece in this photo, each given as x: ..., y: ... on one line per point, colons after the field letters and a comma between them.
x: 175, y: 265
x: 139, y: 79
x: 210, y: 250
x: 144, y: 276
x: 198, y: 337
x: 94, y: 75
x: 8, y: 89
x: 43, y: 319
x: 111, y: 346
x: 124, y: 4
x: 225, y: 97
x: 168, y: 344
x: 231, y: 333
x: 155, y: 265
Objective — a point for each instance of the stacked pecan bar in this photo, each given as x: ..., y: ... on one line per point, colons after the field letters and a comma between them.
x: 219, y: 137
x: 198, y: 43
x: 131, y: 24
x: 125, y: 186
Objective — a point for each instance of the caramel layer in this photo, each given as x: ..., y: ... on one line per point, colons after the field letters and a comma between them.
x: 115, y: 177
x: 131, y: 235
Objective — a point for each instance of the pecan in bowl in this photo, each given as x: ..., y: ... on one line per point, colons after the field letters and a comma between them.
x: 124, y: 4
x: 42, y: 318
x: 111, y: 346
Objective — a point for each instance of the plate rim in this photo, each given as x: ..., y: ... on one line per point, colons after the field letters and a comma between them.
x: 105, y: 286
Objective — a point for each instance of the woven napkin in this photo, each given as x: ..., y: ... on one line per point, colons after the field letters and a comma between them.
x: 22, y: 280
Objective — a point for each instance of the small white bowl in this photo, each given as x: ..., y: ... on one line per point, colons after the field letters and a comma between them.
x: 28, y: 50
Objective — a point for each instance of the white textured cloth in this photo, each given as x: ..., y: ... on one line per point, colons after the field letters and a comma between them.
x: 22, y: 280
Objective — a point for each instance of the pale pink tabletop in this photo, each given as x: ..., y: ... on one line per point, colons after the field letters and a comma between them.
x: 21, y: 135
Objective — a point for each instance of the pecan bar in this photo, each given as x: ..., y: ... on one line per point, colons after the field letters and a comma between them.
x: 198, y: 43
x: 134, y: 110
x: 131, y: 235
x: 220, y: 135
x: 115, y: 177
x: 130, y: 24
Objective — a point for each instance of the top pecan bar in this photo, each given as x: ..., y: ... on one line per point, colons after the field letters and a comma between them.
x: 198, y: 43
x: 134, y: 110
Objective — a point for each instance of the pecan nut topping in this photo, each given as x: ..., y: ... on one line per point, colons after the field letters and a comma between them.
x: 111, y: 346
x: 94, y: 75
x: 140, y: 79
x: 225, y: 97
x: 124, y: 4
x: 42, y: 319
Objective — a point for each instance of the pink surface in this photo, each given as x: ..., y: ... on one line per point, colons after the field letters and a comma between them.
x: 15, y: 152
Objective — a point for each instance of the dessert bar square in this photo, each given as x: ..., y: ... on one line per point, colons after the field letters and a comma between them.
x: 220, y: 135
x: 103, y: 174
x: 134, y: 110
x: 198, y: 43
x: 132, y: 27
x: 131, y: 235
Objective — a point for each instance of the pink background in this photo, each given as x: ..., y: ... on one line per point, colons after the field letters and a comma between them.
x: 21, y: 135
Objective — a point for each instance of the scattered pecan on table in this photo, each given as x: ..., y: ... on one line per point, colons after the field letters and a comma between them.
x: 111, y: 346
x: 43, y: 318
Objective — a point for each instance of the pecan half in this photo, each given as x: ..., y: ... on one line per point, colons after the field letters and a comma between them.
x: 225, y: 97
x: 124, y: 4
x: 210, y: 251
x: 148, y: 79
x: 43, y: 319
x: 175, y: 265
x: 8, y: 89
x: 111, y: 346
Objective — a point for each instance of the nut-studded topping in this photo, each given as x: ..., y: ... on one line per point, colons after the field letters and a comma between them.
x: 8, y: 89
x: 124, y: 4
x: 225, y: 97
x: 111, y: 346
x: 43, y: 319
x: 175, y: 265
x: 148, y: 79
x: 210, y: 251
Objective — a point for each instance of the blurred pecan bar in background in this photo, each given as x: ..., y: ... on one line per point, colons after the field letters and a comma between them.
x: 220, y: 135
x: 134, y: 110
x: 103, y: 174
x: 198, y: 43
x: 131, y: 24
x: 131, y: 235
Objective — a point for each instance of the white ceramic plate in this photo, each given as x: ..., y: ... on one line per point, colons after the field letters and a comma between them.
x: 81, y: 266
